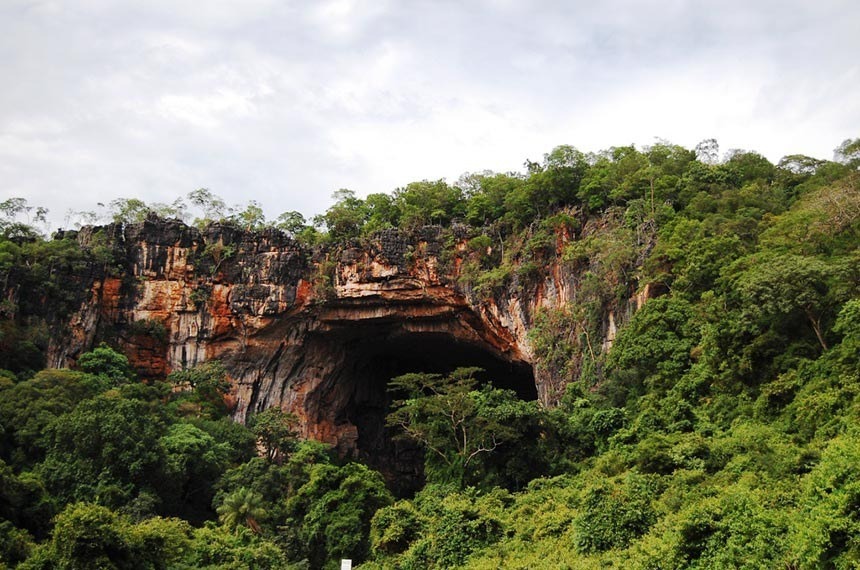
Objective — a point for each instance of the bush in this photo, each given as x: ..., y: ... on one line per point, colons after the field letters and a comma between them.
x: 330, y: 515
x: 615, y: 513
x: 458, y: 526
x: 149, y: 327
x: 107, y: 363
x: 394, y: 528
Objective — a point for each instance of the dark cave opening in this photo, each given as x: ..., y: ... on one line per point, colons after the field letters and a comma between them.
x: 374, y: 356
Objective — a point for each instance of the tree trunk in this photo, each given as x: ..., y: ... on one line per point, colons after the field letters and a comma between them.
x: 816, y: 326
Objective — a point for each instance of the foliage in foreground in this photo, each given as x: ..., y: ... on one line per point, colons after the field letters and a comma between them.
x: 100, y: 471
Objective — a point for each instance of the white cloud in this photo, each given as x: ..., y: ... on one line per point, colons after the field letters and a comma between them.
x: 207, y: 110
x: 286, y: 102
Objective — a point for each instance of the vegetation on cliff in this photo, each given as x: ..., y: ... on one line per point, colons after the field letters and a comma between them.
x: 720, y: 430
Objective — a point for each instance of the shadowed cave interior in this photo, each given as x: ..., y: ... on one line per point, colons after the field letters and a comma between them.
x: 374, y: 356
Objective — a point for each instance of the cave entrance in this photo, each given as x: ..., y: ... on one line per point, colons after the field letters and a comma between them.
x: 375, y: 355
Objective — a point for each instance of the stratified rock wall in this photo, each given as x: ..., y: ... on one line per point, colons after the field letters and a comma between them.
x: 317, y: 332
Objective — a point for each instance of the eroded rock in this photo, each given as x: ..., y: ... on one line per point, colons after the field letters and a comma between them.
x: 322, y: 348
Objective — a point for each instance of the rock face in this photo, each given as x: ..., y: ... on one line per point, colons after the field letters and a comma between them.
x: 317, y: 333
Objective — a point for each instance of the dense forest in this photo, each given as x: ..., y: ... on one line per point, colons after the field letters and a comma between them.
x: 720, y: 430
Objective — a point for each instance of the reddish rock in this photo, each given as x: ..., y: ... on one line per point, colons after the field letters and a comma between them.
x: 323, y: 350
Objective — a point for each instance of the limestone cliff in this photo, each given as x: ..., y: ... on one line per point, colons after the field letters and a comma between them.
x: 316, y: 332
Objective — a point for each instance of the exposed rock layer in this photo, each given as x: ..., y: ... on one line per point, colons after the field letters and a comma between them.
x: 316, y: 333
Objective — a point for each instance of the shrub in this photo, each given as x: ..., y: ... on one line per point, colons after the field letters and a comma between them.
x: 615, y: 513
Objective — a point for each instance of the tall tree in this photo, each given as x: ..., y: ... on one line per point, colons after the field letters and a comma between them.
x: 206, y: 385
x: 251, y: 217
x: 708, y: 151
x: 291, y: 222
x: 243, y: 507
x: 848, y: 153
x: 346, y: 217
x: 785, y: 284
x: 211, y: 205
x: 276, y: 432
x: 108, y: 364
x: 445, y: 416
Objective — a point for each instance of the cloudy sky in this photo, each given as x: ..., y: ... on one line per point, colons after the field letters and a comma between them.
x: 286, y: 101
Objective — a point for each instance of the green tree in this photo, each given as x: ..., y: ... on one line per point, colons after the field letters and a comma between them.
x: 784, y: 284
x: 15, y: 545
x: 596, y: 184
x: 276, y: 432
x: 329, y: 516
x: 743, y: 167
x: 272, y: 481
x: 689, y: 259
x: 428, y: 202
x: 28, y: 408
x: 193, y: 462
x: 382, y: 213
x: 242, y: 507
x: 821, y: 222
x: 455, y: 526
x: 158, y: 543
x: 106, y: 450
x: 486, y: 194
x: 394, y: 527
x: 556, y: 182
x: 50, y: 277
x: 217, y: 548
x: 291, y: 222
x: 205, y: 385
x: 128, y: 210
x: 848, y: 153
x: 653, y: 351
x: 444, y: 415
x: 107, y: 364
x: 90, y: 536
x: 24, y: 501
x: 21, y: 347
x: 629, y: 174
x: 251, y: 217
x: 346, y: 217
x: 11, y: 212
x: 615, y: 513
x: 212, y: 206
x: 826, y: 530
x: 239, y: 440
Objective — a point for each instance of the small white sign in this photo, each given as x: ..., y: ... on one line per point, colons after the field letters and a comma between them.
x: 346, y: 564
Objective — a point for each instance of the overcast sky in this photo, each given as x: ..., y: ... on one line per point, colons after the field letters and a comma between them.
x: 285, y: 101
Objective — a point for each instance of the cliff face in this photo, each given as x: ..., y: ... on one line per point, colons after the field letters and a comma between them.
x: 318, y: 334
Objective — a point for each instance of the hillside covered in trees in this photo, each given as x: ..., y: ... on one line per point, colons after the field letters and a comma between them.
x: 720, y: 427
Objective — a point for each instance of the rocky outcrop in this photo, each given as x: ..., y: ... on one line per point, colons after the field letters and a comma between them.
x: 317, y: 333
